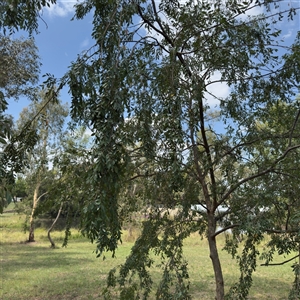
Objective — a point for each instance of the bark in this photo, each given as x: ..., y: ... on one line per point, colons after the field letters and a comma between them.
x: 52, y: 226
x: 34, y: 206
x: 214, y: 256
x: 36, y: 200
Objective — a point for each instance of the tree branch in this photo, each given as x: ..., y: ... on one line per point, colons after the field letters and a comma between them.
x: 259, y: 174
x: 39, y: 198
x: 225, y: 228
x: 281, y: 231
x: 282, y: 263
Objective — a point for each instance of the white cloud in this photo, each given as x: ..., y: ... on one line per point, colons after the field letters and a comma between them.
x: 288, y: 34
x: 217, y: 90
x: 60, y: 9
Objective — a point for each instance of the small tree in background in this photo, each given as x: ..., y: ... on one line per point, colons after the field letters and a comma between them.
x: 47, y: 120
x: 19, y: 70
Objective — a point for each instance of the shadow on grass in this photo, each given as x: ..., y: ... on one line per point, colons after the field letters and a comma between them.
x: 40, y: 273
x: 29, y: 256
x: 60, y: 224
x: 6, y: 214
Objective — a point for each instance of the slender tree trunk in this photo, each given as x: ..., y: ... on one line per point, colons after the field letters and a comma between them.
x: 214, y: 256
x: 36, y: 200
x: 52, y: 226
x: 34, y: 206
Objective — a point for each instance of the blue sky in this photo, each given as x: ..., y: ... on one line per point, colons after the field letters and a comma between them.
x: 60, y: 40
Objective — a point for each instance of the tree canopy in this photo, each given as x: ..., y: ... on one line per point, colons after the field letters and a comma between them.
x: 19, y: 74
x: 21, y: 14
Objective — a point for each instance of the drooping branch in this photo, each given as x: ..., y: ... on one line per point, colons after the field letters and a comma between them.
x: 282, y: 263
x: 53, y: 96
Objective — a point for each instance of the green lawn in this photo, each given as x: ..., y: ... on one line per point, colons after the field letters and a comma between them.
x: 35, y: 271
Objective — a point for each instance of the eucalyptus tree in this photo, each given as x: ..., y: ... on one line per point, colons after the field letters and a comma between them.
x: 70, y: 190
x: 146, y: 89
x: 19, y: 70
x: 46, y: 119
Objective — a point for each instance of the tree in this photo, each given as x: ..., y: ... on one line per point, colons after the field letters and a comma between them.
x: 145, y: 90
x: 158, y: 76
x: 48, y: 124
x: 19, y: 69
x: 19, y: 188
x: 70, y: 190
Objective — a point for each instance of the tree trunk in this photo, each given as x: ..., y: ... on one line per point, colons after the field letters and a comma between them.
x: 36, y: 200
x: 214, y: 256
x: 52, y: 226
x: 34, y: 206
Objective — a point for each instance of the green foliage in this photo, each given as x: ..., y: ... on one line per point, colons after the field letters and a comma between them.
x: 295, y: 292
x: 19, y: 68
x: 247, y: 263
x: 71, y: 186
x: 134, y: 276
x: 21, y: 14
x: 19, y: 189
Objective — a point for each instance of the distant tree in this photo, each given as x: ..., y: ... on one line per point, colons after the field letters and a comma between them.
x: 20, y: 66
x: 19, y: 70
x: 65, y: 183
x: 71, y: 186
x: 19, y: 190
x: 48, y: 125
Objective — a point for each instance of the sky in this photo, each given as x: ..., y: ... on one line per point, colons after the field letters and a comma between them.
x: 60, y: 41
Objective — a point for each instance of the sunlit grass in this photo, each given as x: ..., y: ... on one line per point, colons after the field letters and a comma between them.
x: 35, y: 271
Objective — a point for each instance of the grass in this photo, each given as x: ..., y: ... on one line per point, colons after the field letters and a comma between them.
x: 35, y: 271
